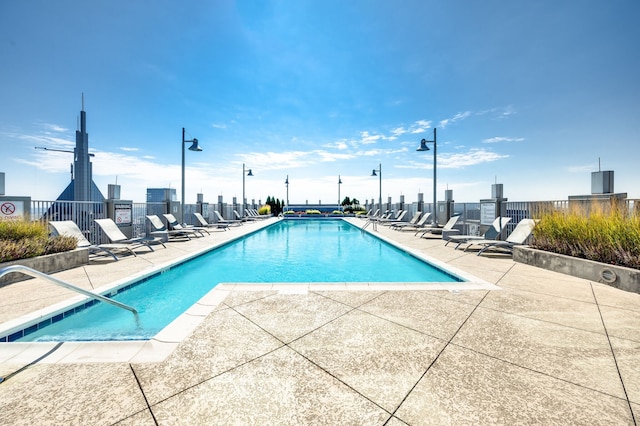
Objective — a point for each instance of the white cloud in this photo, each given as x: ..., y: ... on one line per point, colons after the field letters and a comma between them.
x: 457, y: 160
x: 499, y: 139
x: 420, y: 126
x: 470, y: 158
x: 459, y: 116
x: 366, y: 138
x: 129, y: 149
x: 341, y: 145
x: 54, y: 128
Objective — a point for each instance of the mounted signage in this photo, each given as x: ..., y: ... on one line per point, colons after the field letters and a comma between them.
x: 122, y: 214
x: 11, y: 210
x: 487, y: 213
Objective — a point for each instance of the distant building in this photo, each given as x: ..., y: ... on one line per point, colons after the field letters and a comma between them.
x: 161, y: 195
x: 82, y: 187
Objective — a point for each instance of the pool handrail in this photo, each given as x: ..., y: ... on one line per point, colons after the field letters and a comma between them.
x: 37, y: 274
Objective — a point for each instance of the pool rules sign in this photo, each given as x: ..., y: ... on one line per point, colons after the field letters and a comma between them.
x: 11, y: 210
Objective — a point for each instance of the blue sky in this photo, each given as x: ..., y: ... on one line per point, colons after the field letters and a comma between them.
x: 532, y: 95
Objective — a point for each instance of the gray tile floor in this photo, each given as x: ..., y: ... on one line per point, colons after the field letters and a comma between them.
x: 545, y: 349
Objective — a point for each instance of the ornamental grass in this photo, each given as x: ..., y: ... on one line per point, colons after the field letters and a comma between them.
x: 22, y: 240
x: 609, y: 236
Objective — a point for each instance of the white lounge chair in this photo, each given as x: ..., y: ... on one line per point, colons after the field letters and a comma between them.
x: 492, y: 233
x: 203, y: 222
x: 177, y: 226
x: 518, y: 236
x: 420, y: 224
x: 115, y: 235
x: 369, y: 215
x: 437, y: 230
x: 245, y: 218
x: 226, y: 222
x: 254, y: 214
x: 70, y: 229
x: 399, y: 218
x: 412, y: 221
x: 159, y: 227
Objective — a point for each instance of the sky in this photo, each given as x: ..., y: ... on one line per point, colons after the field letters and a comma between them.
x: 535, y: 95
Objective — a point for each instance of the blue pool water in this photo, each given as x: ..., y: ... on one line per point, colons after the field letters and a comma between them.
x: 288, y: 251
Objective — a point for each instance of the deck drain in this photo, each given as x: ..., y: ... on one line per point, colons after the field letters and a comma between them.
x: 608, y: 276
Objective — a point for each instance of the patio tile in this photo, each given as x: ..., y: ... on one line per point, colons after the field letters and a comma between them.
x: 472, y: 297
x: 394, y: 421
x: 467, y: 388
x: 540, y: 281
x: 350, y: 298
x: 291, y: 316
x: 279, y: 388
x: 143, y: 418
x: 378, y: 359
x: 73, y: 394
x: 611, y: 296
x: 241, y: 296
x: 621, y: 323
x: 222, y: 342
x: 422, y: 311
x: 577, y: 356
x: 627, y: 354
x: 558, y: 310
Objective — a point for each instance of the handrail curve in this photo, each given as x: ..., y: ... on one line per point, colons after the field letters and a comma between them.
x: 37, y: 274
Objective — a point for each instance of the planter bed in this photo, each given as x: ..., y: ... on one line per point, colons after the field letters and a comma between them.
x: 627, y: 279
x: 47, y: 264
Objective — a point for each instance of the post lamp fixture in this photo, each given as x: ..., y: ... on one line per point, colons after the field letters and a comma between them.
x: 245, y: 172
x: 339, y: 202
x: 373, y: 173
x: 286, y: 182
x: 424, y: 147
x: 194, y: 147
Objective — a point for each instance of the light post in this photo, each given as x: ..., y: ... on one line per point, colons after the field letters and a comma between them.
x: 373, y: 173
x: 245, y: 172
x: 424, y: 147
x: 286, y: 182
x: 339, y: 202
x: 194, y: 147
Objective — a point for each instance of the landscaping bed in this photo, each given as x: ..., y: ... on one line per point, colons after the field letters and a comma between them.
x: 48, y: 264
x: 621, y: 277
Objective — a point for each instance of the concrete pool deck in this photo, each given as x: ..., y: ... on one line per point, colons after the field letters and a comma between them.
x: 545, y: 349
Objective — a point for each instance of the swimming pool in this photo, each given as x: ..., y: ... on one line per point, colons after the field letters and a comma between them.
x: 288, y: 251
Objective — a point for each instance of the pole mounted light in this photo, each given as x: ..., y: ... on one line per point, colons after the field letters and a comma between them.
x: 245, y: 172
x: 339, y: 202
x: 194, y: 147
x: 286, y: 182
x: 373, y: 173
x: 424, y: 147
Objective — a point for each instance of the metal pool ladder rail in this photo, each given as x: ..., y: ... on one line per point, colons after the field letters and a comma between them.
x: 37, y: 274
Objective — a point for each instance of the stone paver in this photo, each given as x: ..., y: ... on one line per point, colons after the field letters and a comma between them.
x: 544, y: 349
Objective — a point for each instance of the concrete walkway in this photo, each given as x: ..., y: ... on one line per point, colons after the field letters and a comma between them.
x: 545, y: 349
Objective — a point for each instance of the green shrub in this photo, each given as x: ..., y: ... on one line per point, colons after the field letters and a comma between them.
x: 610, y: 237
x: 17, y: 230
x: 336, y: 212
x: 22, y: 240
x: 313, y: 212
x: 290, y: 212
x: 264, y: 210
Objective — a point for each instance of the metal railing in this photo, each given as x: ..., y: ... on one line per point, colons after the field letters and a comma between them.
x: 37, y: 274
x: 84, y: 213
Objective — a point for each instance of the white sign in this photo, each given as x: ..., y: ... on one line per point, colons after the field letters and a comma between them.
x: 11, y: 210
x: 123, y: 216
x: 487, y: 213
